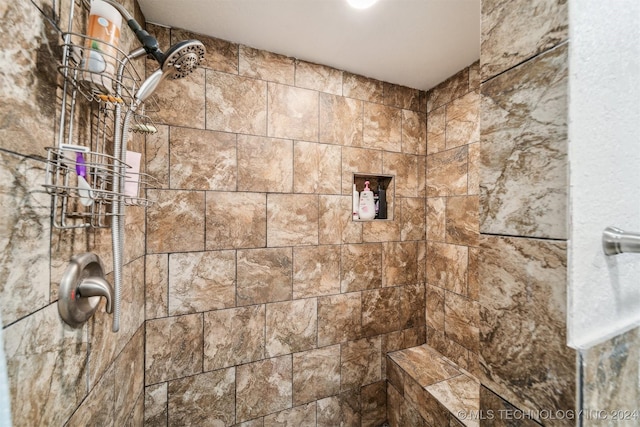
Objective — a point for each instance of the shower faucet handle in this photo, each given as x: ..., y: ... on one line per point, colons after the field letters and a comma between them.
x: 616, y: 241
x: 96, y: 287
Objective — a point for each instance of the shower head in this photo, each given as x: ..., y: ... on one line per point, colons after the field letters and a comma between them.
x: 182, y: 58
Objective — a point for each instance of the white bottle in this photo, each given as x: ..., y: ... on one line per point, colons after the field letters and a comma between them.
x: 367, y: 209
x: 355, y: 202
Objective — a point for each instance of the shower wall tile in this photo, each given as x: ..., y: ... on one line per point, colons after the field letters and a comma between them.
x: 374, y: 404
x: 523, y: 185
x: 267, y: 66
x: 316, y: 168
x: 412, y: 218
x: 339, y: 318
x: 436, y: 127
x: 265, y: 164
x: 130, y: 365
x: 462, y: 220
x: 360, y: 363
x: 292, y: 219
x: 399, y: 263
x: 361, y: 267
x: 414, y: 132
x: 220, y: 55
x: 462, y: 320
x: 186, y: 100
x: 463, y: 120
x: 341, y: 120
x: 523, y: 283
x: 341, y: 409
x: 155, y: 405
x: 24, y: 235
x: 490, y: 401
x: 316, y: 374
x: 380, y: 311
x: 304, y: 415
x: 454, y: 87
x: 335, y: 224
x: 361, y: 161
x: 436, y: 218
x: 473, y: 177
x: 316, y: 271
x: 318, y: 77
x: 292, y: 112
x: 263, y: 387
x: 191, y: 170
x: 207, y: 398
x: 447, y: 173
x: 175, y: 222
x: 474, y: 76
x: 473, y: 281
x: 412, y: 306
x: 291, y: 326
x: 360, y: 87
x: 234, y: 336
x: 157, y: 155
x: 407, y: 167
x: 98, y: 407
x: 503, y: 43
x: 264, y: 275
x: 236, y: 104
x: 173, y: 348
x: 382, y: 127
x: 382, y: 231
x: 401, y: 96
x: 449, y: 348
x: 448, y: 266
x: 235, y: 220
x: 201, y: 281
x: 435, y: 307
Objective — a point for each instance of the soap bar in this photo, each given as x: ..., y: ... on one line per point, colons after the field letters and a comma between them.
x: 132, y: 177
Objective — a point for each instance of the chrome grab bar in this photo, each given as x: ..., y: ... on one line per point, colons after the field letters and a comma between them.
x: 616, y: 241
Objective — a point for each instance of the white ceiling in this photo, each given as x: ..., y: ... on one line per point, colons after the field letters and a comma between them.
x: 415, y: 43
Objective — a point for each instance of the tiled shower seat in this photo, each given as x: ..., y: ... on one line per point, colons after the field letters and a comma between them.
x: 426, y: 389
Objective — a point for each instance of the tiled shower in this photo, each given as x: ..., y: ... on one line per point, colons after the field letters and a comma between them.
x: 251, y: 296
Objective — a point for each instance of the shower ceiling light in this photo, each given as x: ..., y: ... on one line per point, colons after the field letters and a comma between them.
x: 361, y: 4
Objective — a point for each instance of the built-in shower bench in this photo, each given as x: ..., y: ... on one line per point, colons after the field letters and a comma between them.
x: 427, y: 389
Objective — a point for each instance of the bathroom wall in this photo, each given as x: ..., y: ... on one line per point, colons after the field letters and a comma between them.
x: 453, y: 148
x: 58, y: 375
x: 522, y: 262
x: 265, y: 302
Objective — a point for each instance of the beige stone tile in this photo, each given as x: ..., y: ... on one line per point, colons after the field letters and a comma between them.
x: 130, y: 365
x: 335, y: 221
x: 436, y: 218
x: 339, y: 318
x: 503, y: 42
x: 395, y: 375
x: 236, y: 104
x: 268, y: 66
x: 265, y: 164
x: 412, y: 361
x: 191, y: 170
x: 316, y: 271
x: 461, y: 393
x: 291, y: 326
x: 182, y: 101
x: 292, y: 219
x: 474, y: 76
x: 462, y: 220
x: 256, y: 422
x: 264, y: 275
x: 524, y: 281
x: 406, y: 169
x: 462, y: 320
x: 449, y: 348
x: 360, y: 362
x: 422, y: 402
x: 463, y: 120
x: 234, y: 336
x: 435, y: 307
x: 205, y: 399
x: 173, y: 348
x: 220, y: 55
x: 412, y: 218
x: 523, y: 154
x: 452, y: 88
x: 318, y: 77
x: 374, y: 404
x: 263, y: 387
x: 358, y: 161
x: 361, y: 267
x: 412, y: 306
x: 157, y: 155
x: 96, y: 409
x: 399, y: 263
x: 447, y: 173
x: 360, y: 87
x: 401, y: 96
x: 473, y: 280
x: 490, y: 401
x: 382, y: 230
x: 382, y: 127
x: 175, y: 222
x: 316, y: 168
x: 422, y: 261
x: 235, y: 220
x: 201, y: 281
x: 292, y: 112
x: 342, y: 409
x: 341, y: 120
x: 474, y: 169
x: 304, y: 415
x: 414, y: 132
x: 155, y: 405
x: 436, y: 128
x: 447, y: 266
x: 316, y: 374
x: 380, y: 311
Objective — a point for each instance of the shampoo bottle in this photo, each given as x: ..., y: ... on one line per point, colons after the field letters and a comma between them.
x: 382, y: 202
x: 355, y: 202
x: 367, y: 209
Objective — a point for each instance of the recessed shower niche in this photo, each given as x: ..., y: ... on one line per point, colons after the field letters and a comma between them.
x: 382, y: 188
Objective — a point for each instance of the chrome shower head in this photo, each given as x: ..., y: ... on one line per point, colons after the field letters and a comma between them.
x: 182, y: 58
